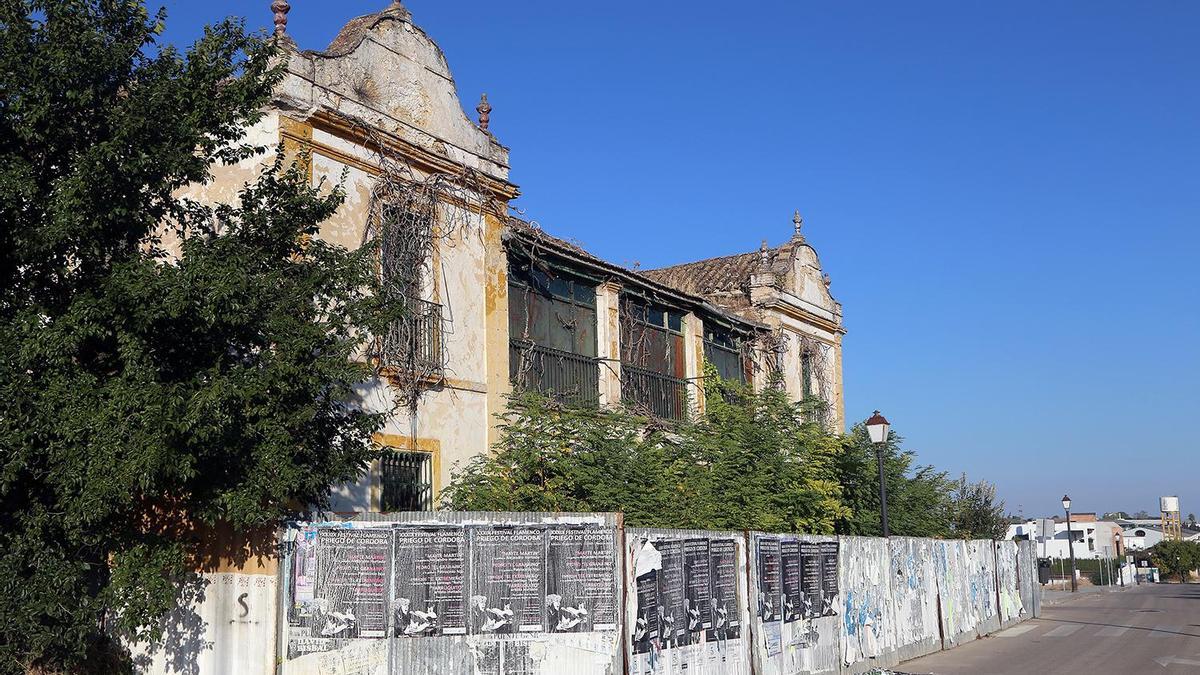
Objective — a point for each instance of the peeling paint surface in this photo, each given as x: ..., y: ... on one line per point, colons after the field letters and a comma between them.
x: 1027, y: 579
x: 868, y: 619
x: 982, y: 578
x: 952, y: 564
x: 1007, y: 583
x: 914, y: 596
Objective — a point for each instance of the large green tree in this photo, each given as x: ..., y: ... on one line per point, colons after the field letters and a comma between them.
x: 1176, y: 558
x: 918, y: 496
x: 976, y: 512
x: 163, y: 364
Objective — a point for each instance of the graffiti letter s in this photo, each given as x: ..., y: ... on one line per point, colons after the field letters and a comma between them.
x: 245, y: 608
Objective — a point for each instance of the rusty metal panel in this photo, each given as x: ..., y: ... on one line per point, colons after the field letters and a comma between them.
x: 983, y: 585
x: 1008, y: 583
x: 795, y: 595
x: 686, y: 602
x: 952, y: 564
x: 445, y: 592
x: 868, y: 634
x: 914, y: 597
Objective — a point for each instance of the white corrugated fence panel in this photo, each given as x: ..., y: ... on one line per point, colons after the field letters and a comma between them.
x: 868, y: 634
x: 795, y: 596
x: 425, y: 593
x: 914, y: 596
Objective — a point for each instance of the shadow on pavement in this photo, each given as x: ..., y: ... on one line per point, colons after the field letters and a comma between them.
x: 1121, y: 625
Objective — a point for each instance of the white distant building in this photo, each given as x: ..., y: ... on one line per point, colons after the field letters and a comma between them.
x: 1092, y: 538
x: 1142, y: 537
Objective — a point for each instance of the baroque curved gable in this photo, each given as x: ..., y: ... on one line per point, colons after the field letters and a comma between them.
x: 806, y: 280
x: 384, y: 70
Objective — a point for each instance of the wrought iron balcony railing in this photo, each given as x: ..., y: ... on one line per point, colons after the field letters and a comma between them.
x: 413, y: 343
x: 664, y: 396
x: 573, y: 379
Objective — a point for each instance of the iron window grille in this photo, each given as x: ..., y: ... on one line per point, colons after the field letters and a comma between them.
x: 565, y: 377
x: 407, y: 481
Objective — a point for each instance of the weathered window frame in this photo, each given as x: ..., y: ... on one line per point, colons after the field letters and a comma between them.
x: 406, y: 480
x: 724, y: 349
x: 553, y: 345
x: 653, y: 357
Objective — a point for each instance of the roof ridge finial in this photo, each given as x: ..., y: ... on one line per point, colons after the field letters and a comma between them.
x: 763, y: 255
x: 281, y: 9
x: 798, y: 222
x: 397, y: 6
x: 485, y: 112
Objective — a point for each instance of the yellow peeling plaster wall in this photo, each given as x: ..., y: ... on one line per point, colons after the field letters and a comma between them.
x: 384, y: 74
x: 791, y: 294
x: 383, y: 80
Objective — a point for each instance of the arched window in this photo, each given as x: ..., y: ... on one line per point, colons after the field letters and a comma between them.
x: 1139, y: 533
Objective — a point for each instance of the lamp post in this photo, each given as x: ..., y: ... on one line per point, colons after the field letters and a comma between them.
x: 877, y: 427
x: 1070, y: 541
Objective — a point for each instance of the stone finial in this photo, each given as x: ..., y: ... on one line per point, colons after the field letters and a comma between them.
x: 398, y: 7
x: 281, y: 9
x: 797, y: 222
x: 485, y: 112
x: 763, y: 254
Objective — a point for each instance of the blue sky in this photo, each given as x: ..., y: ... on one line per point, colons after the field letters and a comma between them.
x: 1005, y: 194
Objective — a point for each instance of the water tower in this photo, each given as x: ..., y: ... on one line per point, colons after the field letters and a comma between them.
x: 1172, y: 525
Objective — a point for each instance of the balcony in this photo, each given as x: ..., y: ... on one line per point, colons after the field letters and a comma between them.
x: 662, y: 395
x: 570, y: 378
x: 413, y: 343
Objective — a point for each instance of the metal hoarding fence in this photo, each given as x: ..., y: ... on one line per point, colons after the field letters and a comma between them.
x: 432, y: 593
x: 687, y: 607
x: 795, y: 597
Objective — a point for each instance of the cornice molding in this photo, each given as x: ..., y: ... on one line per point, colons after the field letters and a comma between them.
x: 790, y: 310
x: 340, y: 126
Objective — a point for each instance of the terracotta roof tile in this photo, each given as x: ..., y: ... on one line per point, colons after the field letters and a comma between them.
x: 727, y: 273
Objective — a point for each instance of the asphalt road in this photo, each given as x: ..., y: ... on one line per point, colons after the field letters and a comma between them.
x: 1146, y: 629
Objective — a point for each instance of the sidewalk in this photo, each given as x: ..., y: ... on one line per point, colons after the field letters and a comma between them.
x: 1058, y: 596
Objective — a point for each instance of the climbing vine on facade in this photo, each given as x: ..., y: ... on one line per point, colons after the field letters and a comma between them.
x: 413, y: 217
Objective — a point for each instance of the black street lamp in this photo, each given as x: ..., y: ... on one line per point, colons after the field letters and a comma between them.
x: 878, y: 427
x: 1070, y: 541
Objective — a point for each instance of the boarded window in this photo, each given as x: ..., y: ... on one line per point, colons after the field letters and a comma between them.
x: 652, y: 337
x: 652, y: 361
x: 552, y: 310
x: 552, y: 334
x: 407, y: 481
